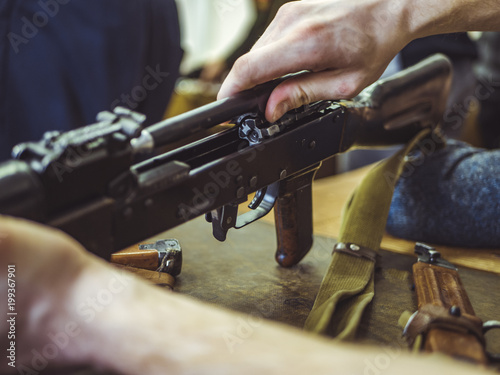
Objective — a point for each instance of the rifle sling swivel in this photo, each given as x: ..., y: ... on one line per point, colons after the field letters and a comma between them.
x: 431, y: 316
x: 355, y: 250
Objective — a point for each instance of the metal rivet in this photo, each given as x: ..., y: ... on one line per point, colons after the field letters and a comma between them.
x: 354, y: 247
x: 240, y: 192
x: 340, y: 246
x: 312, y: 145
x: 455, y: 311
x: 253, y: 181
x: 283, y: 174
x: 434, y: 256
x: 229, y: 219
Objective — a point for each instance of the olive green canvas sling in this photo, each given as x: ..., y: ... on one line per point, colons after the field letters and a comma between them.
x: 348, y: 286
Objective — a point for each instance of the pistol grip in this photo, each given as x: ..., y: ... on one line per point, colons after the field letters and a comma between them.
x: 293, y: 218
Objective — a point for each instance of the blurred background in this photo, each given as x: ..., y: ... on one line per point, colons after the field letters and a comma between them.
x: 215, y: 33
x: 162, y: 58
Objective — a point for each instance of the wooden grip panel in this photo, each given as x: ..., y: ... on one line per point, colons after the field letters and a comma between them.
x: 441, y: 286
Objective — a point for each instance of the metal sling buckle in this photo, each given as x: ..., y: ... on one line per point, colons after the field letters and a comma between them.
x: 488, y: 326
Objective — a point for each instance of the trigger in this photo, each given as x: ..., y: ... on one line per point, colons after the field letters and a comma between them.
x: 261, y: 205
x: 222, y: 219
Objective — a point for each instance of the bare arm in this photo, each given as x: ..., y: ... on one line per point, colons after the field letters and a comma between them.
x: 73, y: 308
x: 345, y: 44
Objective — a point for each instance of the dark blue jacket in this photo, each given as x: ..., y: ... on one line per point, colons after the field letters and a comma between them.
x: 63, y: 61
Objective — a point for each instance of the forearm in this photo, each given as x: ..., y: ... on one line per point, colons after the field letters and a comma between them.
x: 37, y: 290
x: 149, y: 331
x: 76, y: 309
x: 429, y: 17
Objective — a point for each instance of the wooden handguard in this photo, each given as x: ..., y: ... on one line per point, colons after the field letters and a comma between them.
x: 453, y: 327
x: 293, y: 218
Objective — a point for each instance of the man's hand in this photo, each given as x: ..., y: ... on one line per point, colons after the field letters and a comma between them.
x: 345, y: 44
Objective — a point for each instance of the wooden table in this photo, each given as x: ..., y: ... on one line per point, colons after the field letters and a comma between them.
x: 241, y: 273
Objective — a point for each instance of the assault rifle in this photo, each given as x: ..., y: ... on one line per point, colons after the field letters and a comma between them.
x: 86, y: 182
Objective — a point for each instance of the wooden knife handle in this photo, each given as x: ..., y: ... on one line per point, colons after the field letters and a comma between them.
x: 440, y: 286
x: 134, y: 257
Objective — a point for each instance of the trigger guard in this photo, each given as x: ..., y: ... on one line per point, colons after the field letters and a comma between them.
x: 267, y: 198
x: 257, y: 199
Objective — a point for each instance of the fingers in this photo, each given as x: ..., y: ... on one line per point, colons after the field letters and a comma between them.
x: 337, y: 41
x: 258, y: 66
x: 271, y: 61
x: 290, y: 44
x: 311, y: 87
x: 261, y: 65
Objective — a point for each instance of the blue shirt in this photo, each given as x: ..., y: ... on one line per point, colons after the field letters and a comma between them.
x: 63, y: 61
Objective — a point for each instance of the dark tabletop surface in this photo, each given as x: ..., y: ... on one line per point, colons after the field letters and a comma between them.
x: 241, y: 274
